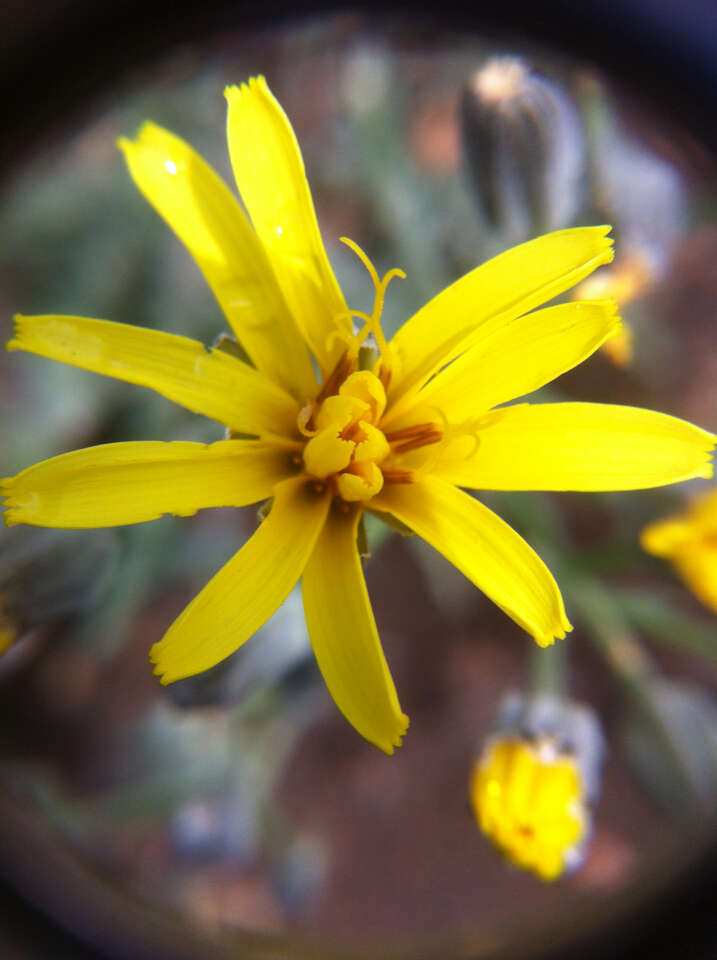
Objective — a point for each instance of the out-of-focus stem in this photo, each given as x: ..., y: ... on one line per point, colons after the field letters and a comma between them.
x: 609, y: 631
x: 546, y: 670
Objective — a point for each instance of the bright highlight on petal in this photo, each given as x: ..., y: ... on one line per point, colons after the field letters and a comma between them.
x: 485, y: 549
x: 248, y: 589
x: 204, y: 381
x: 350, y: 656
x: 579, y: 446
x: 119, y: 483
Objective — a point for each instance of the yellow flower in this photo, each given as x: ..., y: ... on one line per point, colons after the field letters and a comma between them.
x: 398, y: 438
x: 8, y: 630
x: 529, y: 800
x: 626, y: 280
x: 689, y: 541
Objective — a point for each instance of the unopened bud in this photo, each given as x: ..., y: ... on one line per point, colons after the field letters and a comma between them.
x: 47, y: 575
x: 533, y: 787
x: 524, y: 149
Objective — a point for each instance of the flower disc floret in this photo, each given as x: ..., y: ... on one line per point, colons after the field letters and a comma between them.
x: 348, y: 447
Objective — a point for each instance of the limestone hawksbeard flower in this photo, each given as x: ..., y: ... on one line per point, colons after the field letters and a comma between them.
x: 689, y: 541
x: 397, y: 437
x: 529, y: 800
x: 534, y: 786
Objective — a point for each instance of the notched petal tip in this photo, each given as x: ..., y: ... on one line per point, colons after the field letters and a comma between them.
x: 558, y: 633
x: 161, y: 670
x: 125, y: 145
x: 19, y: 321
x: 149, y: 136
x: 606, y: 242
x: 8, y: 507
x: 707, y: 472
x: 609, y: 305
x: 396, y: 741
x: 253, y: 85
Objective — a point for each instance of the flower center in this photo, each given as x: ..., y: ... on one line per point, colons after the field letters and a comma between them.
x: 346, y: 446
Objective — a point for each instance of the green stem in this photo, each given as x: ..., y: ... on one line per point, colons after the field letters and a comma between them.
x: 546, y: 670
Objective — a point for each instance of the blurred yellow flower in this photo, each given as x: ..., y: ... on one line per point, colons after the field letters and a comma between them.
x: 631, y: 277
x: 8, y: 632
x: 689, y: 541
x: 397, y: 438
x: 529, y: 800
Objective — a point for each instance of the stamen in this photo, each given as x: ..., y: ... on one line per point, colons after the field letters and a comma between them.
x: 346, y: 364
x: 397, y: 476
x: 411, y: 438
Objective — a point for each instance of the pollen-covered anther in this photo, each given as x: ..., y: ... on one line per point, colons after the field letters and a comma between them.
x: 394, y: 475
x: 345, y: 365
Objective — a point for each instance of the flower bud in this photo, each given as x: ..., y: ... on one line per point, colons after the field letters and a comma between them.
x: 47, y: 575
x: 535, y: 782
x: 523, y: 147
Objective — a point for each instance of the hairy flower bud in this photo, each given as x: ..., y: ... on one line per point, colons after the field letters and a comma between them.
x: 523, y: 148
x: 47, y: 575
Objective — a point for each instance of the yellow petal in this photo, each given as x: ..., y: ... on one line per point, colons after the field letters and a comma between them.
x: 344, y: 637
x: 119, y: 483
x: 485, y: 549
x: 248, y: 589
x: 208, y: 219
x: 697, y: 566
x: 209, y: 382
x: 580, y: 446
x: 269, y: 171
x: 521, y: 356
x: 664, y: 537
x: 703, y: 510
x: 619, y: 349
x: 505, y: 287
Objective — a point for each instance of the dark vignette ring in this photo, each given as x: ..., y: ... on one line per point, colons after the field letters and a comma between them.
x: 56, y: 60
